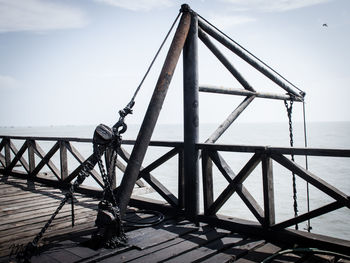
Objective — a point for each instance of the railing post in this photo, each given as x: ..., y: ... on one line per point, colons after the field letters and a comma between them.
x: 269, y: 199
x: 31, y: 158
x: 7, y: 152
x: 191, y: 156
x: 207, y: 170
x: 181, y: 182
x: 63, y: 160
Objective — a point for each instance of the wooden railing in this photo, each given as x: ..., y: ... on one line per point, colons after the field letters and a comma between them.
x: 265, y: 155
x: 25, y: 157
x: 13, y: 158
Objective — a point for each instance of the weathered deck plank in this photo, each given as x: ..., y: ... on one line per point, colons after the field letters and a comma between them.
x: 239, y: 249
x: 207, y: 250
x: 137, y: 253
x: 191, y: 242
x: 174, y: 240
x: 25, y: 207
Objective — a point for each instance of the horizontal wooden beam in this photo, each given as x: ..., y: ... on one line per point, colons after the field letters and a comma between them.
x: 210, y: 146
x: 244, y: 92
x: 310, y: 151
x: 85, y: 140
x: 41, y: 138
x: 278, y: 150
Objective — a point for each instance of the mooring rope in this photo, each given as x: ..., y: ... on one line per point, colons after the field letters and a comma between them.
x: 307, y: 168
x: 155, y: 57
x: 159, y: 217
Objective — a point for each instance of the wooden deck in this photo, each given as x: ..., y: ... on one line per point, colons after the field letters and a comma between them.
x: 26, y: 206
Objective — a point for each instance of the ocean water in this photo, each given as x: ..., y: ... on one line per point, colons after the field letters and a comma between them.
x: 335, y: 171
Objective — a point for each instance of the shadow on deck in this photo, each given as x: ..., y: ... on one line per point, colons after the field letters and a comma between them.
x: 26, y: 206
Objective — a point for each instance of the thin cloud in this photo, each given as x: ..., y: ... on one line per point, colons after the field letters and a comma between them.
x: 272, y: 5
x: 7, y: 83
x: 138, y: 5
x: 38, y: 15
x: 225, y: 22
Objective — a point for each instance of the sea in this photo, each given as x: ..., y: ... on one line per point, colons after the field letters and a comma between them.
x: 333, y: 170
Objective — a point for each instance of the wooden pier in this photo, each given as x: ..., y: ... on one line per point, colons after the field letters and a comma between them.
x: 28, y: 199
x: 25, y: 207
x: 38, y: 172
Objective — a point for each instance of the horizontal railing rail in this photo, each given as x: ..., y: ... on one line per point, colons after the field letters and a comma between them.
x: 12, y: 157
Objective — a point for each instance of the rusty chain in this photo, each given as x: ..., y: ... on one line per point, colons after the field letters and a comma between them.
x: 290, y: 123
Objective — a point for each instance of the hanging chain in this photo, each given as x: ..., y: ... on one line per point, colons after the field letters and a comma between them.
x: 290, y: 123
x: 31, y: 247
x: 289, y: 113
x: 109, y: 197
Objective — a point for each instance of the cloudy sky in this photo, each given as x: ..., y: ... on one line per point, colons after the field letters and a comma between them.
x: 73, y: 62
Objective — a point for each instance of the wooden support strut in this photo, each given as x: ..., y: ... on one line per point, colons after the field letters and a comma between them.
x: 239, y: 52
x: 269, y: 199
x: 230, y: 119
x: 143, y: 139
x: 63, y: 160
x: 205, y: 39
x: 243, y: 92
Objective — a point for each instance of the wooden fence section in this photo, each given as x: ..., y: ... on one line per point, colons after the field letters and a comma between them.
x: 33, y: 160
x: 11, y: 157
x: 265, y: 155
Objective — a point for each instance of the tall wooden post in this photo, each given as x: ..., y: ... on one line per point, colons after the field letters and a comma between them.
x: 191, y: 156
x: 181, y: 180
x: 144, y: 137
x: 7, y: 152
x: 63, y: 160
x: 269, y: 199
x: 208, y: 188
x: 31, y: 157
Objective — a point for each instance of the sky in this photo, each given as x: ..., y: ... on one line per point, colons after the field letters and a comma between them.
x: 78, y: 62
